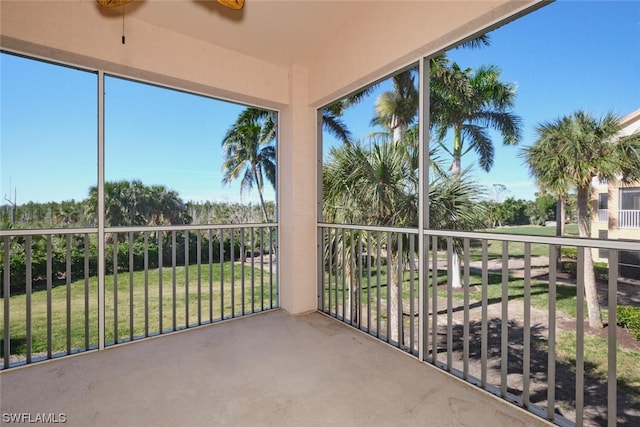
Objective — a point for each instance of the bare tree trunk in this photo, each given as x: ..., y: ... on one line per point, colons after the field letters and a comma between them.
x: 353, y: 284
x: 455, y: 166
x: 560, y: 216
x: 14, y: 206
x: 392, y: 294
x: 258, y: 182
x: 263, y: 206
x: 560, y: 220
x: 590, y: 289
x: 456, y: 280
x: 398, y: 133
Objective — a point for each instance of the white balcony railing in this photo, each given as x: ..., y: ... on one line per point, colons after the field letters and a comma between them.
x: 503, y: 330
x: 603, y: 215
x: 628, y: 218
x: 155, y: 280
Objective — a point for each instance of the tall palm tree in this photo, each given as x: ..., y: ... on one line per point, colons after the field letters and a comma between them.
x: 572, y: 150
x: 250, y: 153
x: 331, y: 120
x: 397, y: 109
x: 470, y: 103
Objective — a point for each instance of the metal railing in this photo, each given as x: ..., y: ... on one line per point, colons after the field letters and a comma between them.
x: 156, y: 280
x: 515, y: 326
x: 362, y: 270
x: 603, y: 215
x: 628, y: 218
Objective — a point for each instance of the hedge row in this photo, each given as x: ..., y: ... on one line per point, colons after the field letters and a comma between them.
x: 629, y: 317
x: 18, y: 265
x: 600, y: 269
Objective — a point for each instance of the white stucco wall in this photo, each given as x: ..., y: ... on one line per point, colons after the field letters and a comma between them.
x: 75, y: 32
x: 392, y: 34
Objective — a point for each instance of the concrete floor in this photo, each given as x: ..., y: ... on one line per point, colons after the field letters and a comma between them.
x: 270, y: 369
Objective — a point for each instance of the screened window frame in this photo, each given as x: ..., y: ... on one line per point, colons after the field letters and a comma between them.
x: 603, y: 202
x: 635, y: 200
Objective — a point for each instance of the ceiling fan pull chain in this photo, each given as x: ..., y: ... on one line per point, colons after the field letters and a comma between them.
x: 123, y: 24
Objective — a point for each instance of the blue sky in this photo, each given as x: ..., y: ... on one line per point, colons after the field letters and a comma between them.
x: 182, y: 136
x: 566, y: 56
x: 160, y: 136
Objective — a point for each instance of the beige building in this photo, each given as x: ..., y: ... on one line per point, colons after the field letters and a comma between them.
x: 616, y: 208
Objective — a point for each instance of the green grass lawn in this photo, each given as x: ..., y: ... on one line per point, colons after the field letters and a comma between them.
x: 565, y: 295
x: 142, y: 294
x: 225, y: 298
x: 536, y: 230
x: 597, y: 357
x: 516, y: 249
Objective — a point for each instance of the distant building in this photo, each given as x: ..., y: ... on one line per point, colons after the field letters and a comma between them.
x: 616, y: 209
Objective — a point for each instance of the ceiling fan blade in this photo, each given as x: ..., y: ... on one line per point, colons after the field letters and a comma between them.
x: 113, y: 3
x: 233, y: 4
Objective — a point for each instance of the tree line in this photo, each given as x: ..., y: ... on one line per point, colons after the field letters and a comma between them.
x: 131, y: 203
x: 127, y: 203
x: 512, y: 211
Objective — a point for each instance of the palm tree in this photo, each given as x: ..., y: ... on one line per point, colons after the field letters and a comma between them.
x: 397, y: 109
x: 164, y: 207
x: 130, y: 203
x: 470, y: 103
x: 374, y: 187
x: 331, y: 120
x: 250, y: 152
x: 379, y: 186
x: 570, y: 152
x: 68, y: 213
x: 333, y: 124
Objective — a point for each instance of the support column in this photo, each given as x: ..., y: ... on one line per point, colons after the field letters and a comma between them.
x: 297, y: 198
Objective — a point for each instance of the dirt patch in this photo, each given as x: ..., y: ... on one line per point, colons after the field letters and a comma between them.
x: 451, y: 344
x: 624, y: 338
x: 595, y: 387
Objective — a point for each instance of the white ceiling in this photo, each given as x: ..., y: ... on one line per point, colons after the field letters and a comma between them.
x: 284, y: 32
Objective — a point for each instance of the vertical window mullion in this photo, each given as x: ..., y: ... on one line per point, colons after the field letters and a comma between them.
x: 101, y: 214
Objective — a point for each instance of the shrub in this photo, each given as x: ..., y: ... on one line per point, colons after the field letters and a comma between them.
x: 569, y: 253
x: 600, y: 269
x: 39, y: 269
x: 629, y: 317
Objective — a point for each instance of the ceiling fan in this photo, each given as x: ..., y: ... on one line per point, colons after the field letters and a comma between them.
x: 232, y: 4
